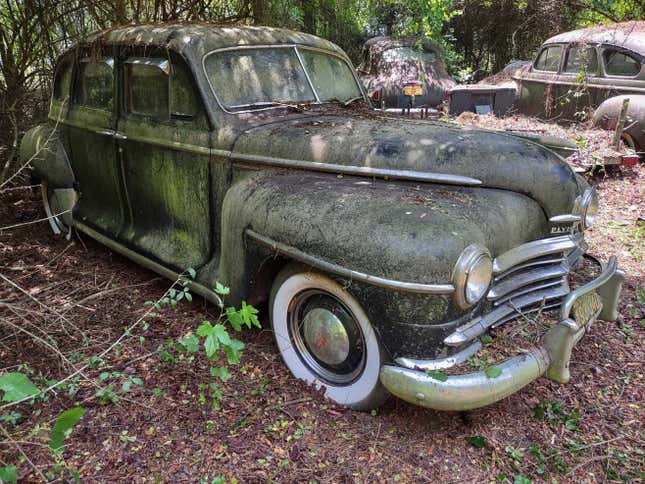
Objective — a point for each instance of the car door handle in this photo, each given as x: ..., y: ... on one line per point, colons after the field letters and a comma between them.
x: 118, y: 135
x: 106, y: 132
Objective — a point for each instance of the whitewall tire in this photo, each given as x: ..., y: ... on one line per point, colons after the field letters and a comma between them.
x: 326, y: 339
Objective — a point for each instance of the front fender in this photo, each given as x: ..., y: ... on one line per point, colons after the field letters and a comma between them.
x: 396, y: 230
x: 43, y: 149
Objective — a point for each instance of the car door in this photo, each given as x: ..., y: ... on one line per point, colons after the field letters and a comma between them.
x: 164, y: 146
x: 537, y: 95
x: 578, y: 81
x: 90, y: 126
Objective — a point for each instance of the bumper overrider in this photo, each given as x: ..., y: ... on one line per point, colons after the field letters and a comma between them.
x: 526, y: 280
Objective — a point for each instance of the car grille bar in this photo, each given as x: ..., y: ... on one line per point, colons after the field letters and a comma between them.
x: 529, y: 278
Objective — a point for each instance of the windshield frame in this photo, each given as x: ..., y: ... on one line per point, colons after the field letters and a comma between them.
x: 296, y: 48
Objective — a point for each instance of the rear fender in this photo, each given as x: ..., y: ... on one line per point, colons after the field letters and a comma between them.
x: 43, y: 149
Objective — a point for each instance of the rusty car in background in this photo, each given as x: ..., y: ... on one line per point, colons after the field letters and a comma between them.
x: 404, y: 73
x: 587, y: 69
x: 385, y: 247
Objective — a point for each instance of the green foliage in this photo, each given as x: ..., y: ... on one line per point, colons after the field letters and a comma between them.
x: 553, y: 413
x: 63, y: 427
x: 16, y: 386
x: 9, y: 474
x: 438, y: 375
x: 476, y: 441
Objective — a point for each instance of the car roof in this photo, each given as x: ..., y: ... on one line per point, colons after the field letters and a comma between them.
x: 630, y: 35
x: 201, y: 38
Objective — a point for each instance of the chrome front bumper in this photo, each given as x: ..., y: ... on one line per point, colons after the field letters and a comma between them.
x: 550, y: 358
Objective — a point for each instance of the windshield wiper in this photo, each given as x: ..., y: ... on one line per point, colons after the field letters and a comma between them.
x: 346, y: 102
x: 264, y: 104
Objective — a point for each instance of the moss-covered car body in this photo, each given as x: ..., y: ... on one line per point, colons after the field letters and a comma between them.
x: 388, y: 206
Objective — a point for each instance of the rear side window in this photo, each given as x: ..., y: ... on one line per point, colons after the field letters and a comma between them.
x: 581, y: 59
x: 549, y: 59
x: 148, y: 89
x: 159, y: 90
x: 618, y: 63
x: 63, y: 81
x: 95, y: 86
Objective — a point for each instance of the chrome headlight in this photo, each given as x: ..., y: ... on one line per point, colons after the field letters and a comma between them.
x: 587, y: 207
x: 472, y: 275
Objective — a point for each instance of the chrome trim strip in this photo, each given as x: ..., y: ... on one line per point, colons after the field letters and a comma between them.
x: 325, y: 266
x: 385, y: 173
x: 441, y: 363
x: 526, y: 265
x: 479, y: 326
x: 523, y: 279
x: 304, y: 69
x: 607, y: 274
x: 531, y: 288
x: 198, y: 288
x: 157, y: 62
x: 531, y: 250
x: 569, y: 217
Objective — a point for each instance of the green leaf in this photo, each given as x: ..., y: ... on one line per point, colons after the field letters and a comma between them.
x: 188, y: 296
x: 233, y: 351
x: 221, y: 289
x: 16, y: 386
x: 190, y: 342
x: 438, y: 375
x: 476, y: 440
x: 63, y: 427
x: 9, y: 474
x: 249, y: 314
x: 493, y: 371
x: 234, y: 318
x: 486, y: 339
x: 219, y: 331
x: 520, y: 479
x: 211, y: 345
x: 192, y: 272
x: 204, y: 329
x: 222, y: 373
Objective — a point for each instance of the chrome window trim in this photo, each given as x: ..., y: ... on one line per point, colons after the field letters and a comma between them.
x: 108, y: 61
x: 160, y: 63
x: 344, y: 58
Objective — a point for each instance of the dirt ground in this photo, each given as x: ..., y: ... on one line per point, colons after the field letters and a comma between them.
x: 79, y: 296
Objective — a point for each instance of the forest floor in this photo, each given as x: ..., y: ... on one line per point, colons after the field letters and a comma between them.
x: 80, y: 297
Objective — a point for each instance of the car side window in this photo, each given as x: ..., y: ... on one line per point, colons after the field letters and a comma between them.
x: 549, y: 59
x: 581, y: 59
x: 157, y: 89
x: 63, y: 80
x: 619, y: 63
x: 95, y: 84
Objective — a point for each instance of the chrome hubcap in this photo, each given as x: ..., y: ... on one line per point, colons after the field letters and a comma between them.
x: 326, y: 336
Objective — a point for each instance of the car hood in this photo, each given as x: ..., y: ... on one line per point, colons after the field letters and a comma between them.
x: 498, y: 160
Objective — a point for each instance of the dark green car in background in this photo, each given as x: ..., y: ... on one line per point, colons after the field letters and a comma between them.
x: 385, y: 247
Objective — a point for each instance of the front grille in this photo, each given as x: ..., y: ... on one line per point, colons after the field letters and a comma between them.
x: 531, y: 277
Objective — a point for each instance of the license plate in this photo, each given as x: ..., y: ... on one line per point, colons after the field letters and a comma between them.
x: 413, y: 91
x: 586, y: 308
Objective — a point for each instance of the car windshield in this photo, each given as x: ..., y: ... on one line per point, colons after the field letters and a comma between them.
x: 260, y: 78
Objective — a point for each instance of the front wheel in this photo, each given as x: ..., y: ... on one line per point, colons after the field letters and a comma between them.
x: 326, y: 339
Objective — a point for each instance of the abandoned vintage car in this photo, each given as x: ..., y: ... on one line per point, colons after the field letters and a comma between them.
x: 403, y: 73
x: 385, y: 247
x: 589, y: 68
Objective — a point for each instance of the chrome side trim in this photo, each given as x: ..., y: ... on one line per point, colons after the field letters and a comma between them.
x: 196, y: 287
x: 159, y: 63
x: 569, y: 217
x: 523, y: 279
x: 384, y: 173
x: 531, y: 250
x: 325, y: 266
x: 441, y: 363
